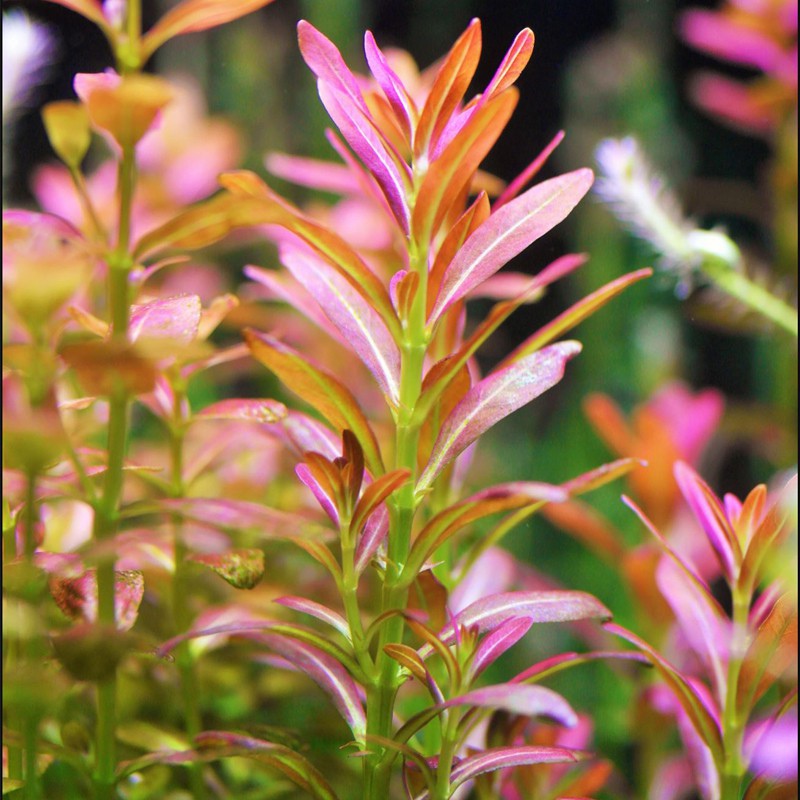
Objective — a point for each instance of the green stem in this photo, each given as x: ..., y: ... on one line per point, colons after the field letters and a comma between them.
x: 106, y: 512
x: 760, y: 299
x: 394, y: 595
x: 448, y: 751
x: 734, y: 766
x: 190, y: 685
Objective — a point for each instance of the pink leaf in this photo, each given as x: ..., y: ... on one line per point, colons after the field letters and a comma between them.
x: 711, y: 515
x: 519, y: 698
x: 328, y: 673
x: 375, y: 532
x: 497, y: 642
x: 493, y: 399
x: 176, y: 318
x: 360, y: 326
x: 505, y: 757
x: 314, y: 173
x: 269, y: 411
x: 359, y: 132
x: 305, y: 434
x: 326, y: 62
x: 491, y: 612
x: 326, y: 502
x: 317, y: 610
x: 241, y: 514
x: 399, y: 99
x: 507, y: 232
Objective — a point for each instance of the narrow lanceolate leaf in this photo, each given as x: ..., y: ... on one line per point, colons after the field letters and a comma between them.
x: 360, y: 133
x: 497, y: 642
x: 507, y: 232
x: 174, y: 318
x: 243, y: 568
x: 328, y: 673
x: 503, y: 497
x: 575, y: 314
x: 264, y: 411
x: 375, y: 494
x: 376, y: 530
x: 212, y: 745
x: 497, y: 758
x: 320, y: 390
x: 360, y: 326
x: 237, y: 515
x: 191, y: 16
x: 313, y: 609
x: 704, y: 723
x: 494, y: 500
x: 520, y: 698
x: 199, y: 226
x: 449, y: 174
x: 513, y: 63
x: 475, y: 215
x: 709, y: 512
x: 452, y: 80
x: 393, y: 88
x: 493, y: 399
x: 557, y: 606
x: 266, y: 208
x: 444, y: 371
x: 702, y: 621
x: 772, y: 651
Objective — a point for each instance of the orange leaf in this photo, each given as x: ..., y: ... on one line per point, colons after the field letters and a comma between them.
x: 320, y: 390
x: 192, y: 16
x: 454, y: 169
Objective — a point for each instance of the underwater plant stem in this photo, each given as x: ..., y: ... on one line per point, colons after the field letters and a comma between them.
x: 394, y: 596
x: 441, y: 790
x: 190, y: 687
x: 106, y: 511
x: 734, y: 766
x: 746, y: 291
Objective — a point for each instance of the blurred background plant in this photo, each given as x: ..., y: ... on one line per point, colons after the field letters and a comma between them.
x: 722, y: 136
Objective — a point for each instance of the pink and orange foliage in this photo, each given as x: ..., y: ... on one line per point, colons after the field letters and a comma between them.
x: 397, y: 630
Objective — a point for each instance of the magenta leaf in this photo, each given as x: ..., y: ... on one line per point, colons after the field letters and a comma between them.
x: 214, y: 745
x: 359, y: 325
x: 327, y: 503
x: 176, y: 318
x: 497, y: 758
x: 269, y: 411
x: 328, y: 673
x: 490, y: 613
x: 376, y: 529
x: 244, y: 515
x: 497, y: 642
x: 493, y: 399
x: 507, y: 232
x: 711, y: 515
x: 317, y: 610
x: 520, y: 698
x: 243, y: 568
x: 360, y: 133
x: 701, y: 621
x: 303, y: 434
x: 402, y: 105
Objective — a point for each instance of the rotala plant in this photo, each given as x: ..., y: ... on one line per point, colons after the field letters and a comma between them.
x: 401, y: 599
